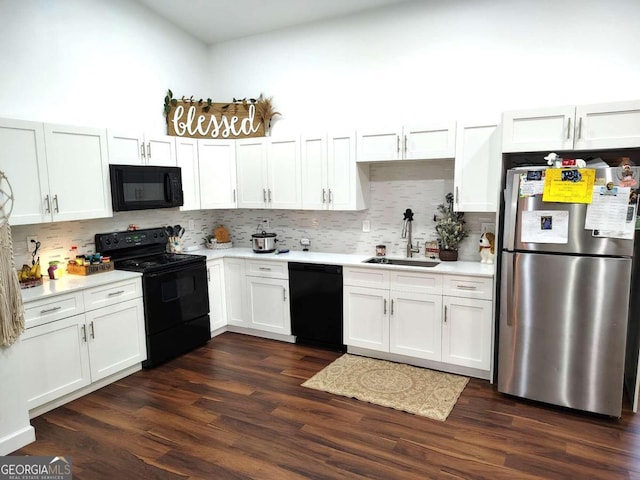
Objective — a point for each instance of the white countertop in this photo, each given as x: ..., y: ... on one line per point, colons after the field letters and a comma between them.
x: 70, y: 283
x: 476, y: 269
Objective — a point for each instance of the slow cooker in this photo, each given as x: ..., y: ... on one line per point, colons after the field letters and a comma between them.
x: 264, y: 242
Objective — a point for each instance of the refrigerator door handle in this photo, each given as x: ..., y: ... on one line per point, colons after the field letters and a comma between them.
x: 510, y: 290
x: 511, y: 206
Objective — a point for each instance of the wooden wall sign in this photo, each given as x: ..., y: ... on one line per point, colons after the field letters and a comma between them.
x: 205, y: 119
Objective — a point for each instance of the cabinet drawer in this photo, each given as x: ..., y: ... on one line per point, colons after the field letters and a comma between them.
x: 469, y: 287
x: 111, y: 294
x: 416, y: 282
x: 47, y: 310
x: 366, y: 277
x: 268, y: 269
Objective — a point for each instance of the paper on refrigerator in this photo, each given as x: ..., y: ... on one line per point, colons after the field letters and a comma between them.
x: 545, y: 226
x: 609, y: 214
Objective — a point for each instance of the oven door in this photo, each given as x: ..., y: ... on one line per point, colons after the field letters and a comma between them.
x: 135, y: 187
x: 176, y: 296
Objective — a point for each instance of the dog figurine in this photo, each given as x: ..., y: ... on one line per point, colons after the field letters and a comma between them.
x: 487, y: 247
x: 555, y: 161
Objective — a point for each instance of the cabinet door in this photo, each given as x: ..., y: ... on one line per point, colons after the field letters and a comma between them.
x: 466, y: 332
x: 608, y: 125
x: 313, y: 167
x: 379, y: 145
x: 22, y: 159
x: 187, y: 160
x: 477, y: 168
x: 366, y: 318
x: 217, y: 306
x: 430, y: 141
x: 416, y: 325
x: 348, y: 181
x: 283, y: 174
x: 217, y: 163
x: 538, y: 130
x: 268, y: 304
x: 234, y: 288
x: 55, y: 360
x: 116, y: 337
x: 251, y: 165
x: 78, y: 172
x: 126, y: 148
x: 161, y: 150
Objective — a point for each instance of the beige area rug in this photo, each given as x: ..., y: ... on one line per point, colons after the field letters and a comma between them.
x: 412, y: 389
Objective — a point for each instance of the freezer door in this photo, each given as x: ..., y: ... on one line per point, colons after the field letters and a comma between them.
x: 580, y: 241
x: 563, y: 323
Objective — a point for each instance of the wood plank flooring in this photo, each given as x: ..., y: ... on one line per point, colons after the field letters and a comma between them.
x: 234, y: 409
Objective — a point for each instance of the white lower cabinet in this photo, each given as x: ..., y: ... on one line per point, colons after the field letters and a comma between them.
x: 106, y: 335
x: 234, y: 284
x: 217, y: 301
x: 268, y: 304
x: 425, y: 316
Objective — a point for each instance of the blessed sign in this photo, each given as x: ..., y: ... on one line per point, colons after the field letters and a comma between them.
x: 216, y: 120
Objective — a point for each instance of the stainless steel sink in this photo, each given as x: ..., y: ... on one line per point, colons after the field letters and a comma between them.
x: 399, y: 261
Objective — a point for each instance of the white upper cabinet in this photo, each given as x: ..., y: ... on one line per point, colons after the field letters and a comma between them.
x: 587, y: 127
x: 331, y: 178
x: 407, y: 143
x: 217, y: 164
x: 78, y: 168
x: 478, y: 167
x: 268, y: 173
x: 23, y: 160
x: 187, y: 158
x: 136, y: 148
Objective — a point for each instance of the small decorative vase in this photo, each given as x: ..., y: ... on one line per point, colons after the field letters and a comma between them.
x: 448, y: 255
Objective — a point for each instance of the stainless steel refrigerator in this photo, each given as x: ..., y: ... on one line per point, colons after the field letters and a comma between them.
x: 564, y: 306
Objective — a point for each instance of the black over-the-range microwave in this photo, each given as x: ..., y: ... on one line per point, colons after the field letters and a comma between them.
x: 137, y: 187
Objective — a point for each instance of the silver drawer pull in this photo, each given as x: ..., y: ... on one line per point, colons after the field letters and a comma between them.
x: 83, y: 329
x: 50, y: 310
x: 467, y: 287
x: 264, y: 269
x: 113, y: 294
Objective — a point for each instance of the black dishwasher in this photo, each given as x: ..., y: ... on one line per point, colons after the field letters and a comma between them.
x: 316, y: 304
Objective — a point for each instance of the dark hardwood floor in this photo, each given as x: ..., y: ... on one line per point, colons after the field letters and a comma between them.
x: 235, y: 409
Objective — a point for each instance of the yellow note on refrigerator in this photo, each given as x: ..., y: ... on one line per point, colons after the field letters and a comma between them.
x: 568, y: 185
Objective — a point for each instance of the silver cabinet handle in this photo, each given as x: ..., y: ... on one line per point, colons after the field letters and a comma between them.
x: 234, y: 195
x: 445, y: 314
x: 264, y: 269
x: 149, y: 151
x: 269, y: 195
x: 324, y: 195
x: 208, y: 274
x: 398, y: 143
x: 142, y: 154
x: 330, y: 196
x: 83, y: 329
x: 569, y: 129
x: 55, y: 200
x: 385, y: 306
x: 467, y: 287
x: 392, y: 306
x: 284, y: 294
x: 264, y: 195
x: 579, y: 128
x: 457, y: 196
x: 113, y: 294
x: 49, y: 310
x: 405, y: 144
x: 91, y: 330
x: 48, y: 207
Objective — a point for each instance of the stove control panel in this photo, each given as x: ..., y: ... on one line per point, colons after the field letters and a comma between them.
x: 108, y: 242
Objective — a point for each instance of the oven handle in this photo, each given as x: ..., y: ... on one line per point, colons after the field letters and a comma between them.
x: 178, y: 268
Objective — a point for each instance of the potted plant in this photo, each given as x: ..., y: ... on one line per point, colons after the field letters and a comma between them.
x: 450, y: 228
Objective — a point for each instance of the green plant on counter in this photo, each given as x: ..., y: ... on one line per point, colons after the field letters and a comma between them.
x: 450, y: 225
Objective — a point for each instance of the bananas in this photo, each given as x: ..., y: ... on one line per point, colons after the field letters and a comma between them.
x: 27, y: 272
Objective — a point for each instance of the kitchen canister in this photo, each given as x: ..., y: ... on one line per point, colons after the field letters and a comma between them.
x: 381, y: 250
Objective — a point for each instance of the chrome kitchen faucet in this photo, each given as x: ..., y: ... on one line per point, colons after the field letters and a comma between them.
x: 406, y: 233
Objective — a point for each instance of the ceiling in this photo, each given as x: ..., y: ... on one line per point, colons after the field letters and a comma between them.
x: 214, y: 21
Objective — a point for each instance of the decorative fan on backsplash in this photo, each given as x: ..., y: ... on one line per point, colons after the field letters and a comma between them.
x: 11, y: 308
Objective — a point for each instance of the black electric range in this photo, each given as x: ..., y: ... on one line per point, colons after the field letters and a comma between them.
x: 174, y: 289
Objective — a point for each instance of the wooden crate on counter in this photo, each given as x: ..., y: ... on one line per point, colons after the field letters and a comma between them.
x: 90, y: 269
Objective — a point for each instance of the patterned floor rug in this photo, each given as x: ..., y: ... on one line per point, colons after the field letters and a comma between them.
x: 412, y: 389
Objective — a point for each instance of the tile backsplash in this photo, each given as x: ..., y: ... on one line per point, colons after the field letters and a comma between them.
x: 420, y: 186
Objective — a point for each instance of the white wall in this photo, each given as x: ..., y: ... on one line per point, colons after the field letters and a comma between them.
x: 94, y: 62
x: 438, y: 59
